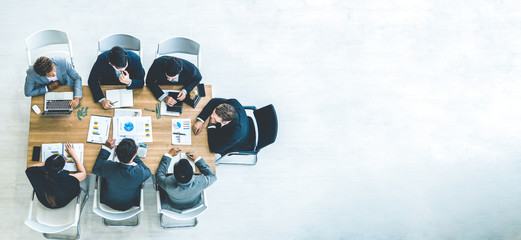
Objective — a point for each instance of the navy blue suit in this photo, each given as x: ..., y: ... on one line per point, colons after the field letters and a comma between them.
x: 189, y: 77
x: 120, y: 186
x: 232, y: 136
x: 102, y: 73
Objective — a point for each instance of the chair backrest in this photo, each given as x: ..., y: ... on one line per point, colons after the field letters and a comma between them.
x: 106, y: 212
x: 267, y: 126
x: 53, y: 220
x: 185, y: 214
x: 125, y: 41
x: 46, y: 38
x: 179, y: 45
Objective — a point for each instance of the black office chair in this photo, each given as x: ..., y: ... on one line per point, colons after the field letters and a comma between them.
x: 262, y: 134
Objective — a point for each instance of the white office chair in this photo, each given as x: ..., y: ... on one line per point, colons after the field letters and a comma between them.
x: 179, y: 218
x: 116, y: 218
x: 263, y: 132
x: 48, y: 38
x: 125, y: 41
x: 60, y: 223
x: 179, y: 45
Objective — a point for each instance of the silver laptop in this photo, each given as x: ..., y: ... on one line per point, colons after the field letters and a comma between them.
x: 57, y: 103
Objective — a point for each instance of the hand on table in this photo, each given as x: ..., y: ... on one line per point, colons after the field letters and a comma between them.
x: 110, y: 143
x: 106, y: 104
x: 192, y: 155
x: 53, y: 85
x: 170, y: 101
x: 181, y: 96
x: 197, y: 127
x: 74, y: 102
x: 70, y: 148
x: 174, y: 151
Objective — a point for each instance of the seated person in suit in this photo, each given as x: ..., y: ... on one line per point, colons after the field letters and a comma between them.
x: 121, y: 180
x: 168, y: 70
x: 183, y: 189
x: 115, y: 67
x: 56, y: 187
x: 48, y: 73
x: 228, y: 128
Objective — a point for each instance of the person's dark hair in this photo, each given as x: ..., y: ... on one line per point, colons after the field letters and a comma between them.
x: 42, y: 66
x: 225, y: 111
x: 126, y: 150
x: 173, y: 66
x: 183, y: 171
x: 53, y: 165
x: 118, y: 57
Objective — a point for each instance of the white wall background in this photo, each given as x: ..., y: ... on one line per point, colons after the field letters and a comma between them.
x: 397, y: 119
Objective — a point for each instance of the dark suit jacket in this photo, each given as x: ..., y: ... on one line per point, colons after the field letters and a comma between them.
x: 233, y: 136
x: 120, y: 186
x: 189, y: 77
x: 102, y: 73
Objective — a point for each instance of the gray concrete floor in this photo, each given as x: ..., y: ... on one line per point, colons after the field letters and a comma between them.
x: 397, y: 119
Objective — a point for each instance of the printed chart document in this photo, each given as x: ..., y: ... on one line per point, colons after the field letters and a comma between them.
x: 164, y: 110
x: 137, y: 128
x: 59, y: 148
x: 120, y: 97
x: 181, y: 134
x: 127, y: 112
x: 178, y: 157
x: 99, y: 128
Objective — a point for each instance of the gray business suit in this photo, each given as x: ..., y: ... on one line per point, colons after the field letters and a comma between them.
x: 35, y: 84
x: 183, y: 195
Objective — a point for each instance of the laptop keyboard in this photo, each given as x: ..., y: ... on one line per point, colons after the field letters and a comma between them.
x: 58, y: 104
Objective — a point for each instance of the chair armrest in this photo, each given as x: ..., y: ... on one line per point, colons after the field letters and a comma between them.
x: 96, y: 184
x: 250, y: 107
x: 29, y: 216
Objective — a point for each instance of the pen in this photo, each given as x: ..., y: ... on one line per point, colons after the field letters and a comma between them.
x: 115, y: 102
x: 178, y: 133
x: 149, y: 110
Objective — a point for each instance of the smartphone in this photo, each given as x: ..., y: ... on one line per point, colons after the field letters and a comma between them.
x: 36, y: 153
x: 200, y: 89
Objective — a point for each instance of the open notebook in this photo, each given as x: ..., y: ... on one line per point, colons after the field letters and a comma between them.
x: 120, y: 97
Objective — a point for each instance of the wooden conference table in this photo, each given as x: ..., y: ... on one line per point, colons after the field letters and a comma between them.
x: 60, y: 129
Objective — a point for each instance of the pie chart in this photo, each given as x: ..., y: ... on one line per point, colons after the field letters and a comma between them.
x: 128, y: 126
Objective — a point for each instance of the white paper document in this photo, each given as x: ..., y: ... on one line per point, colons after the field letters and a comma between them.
x: 99, y: 128
x: 59, y: 148
x: 137, y: 128
x: 127, y: 112
x: 176, y: 158
x: 181, y: 134
x: 120, y: 97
